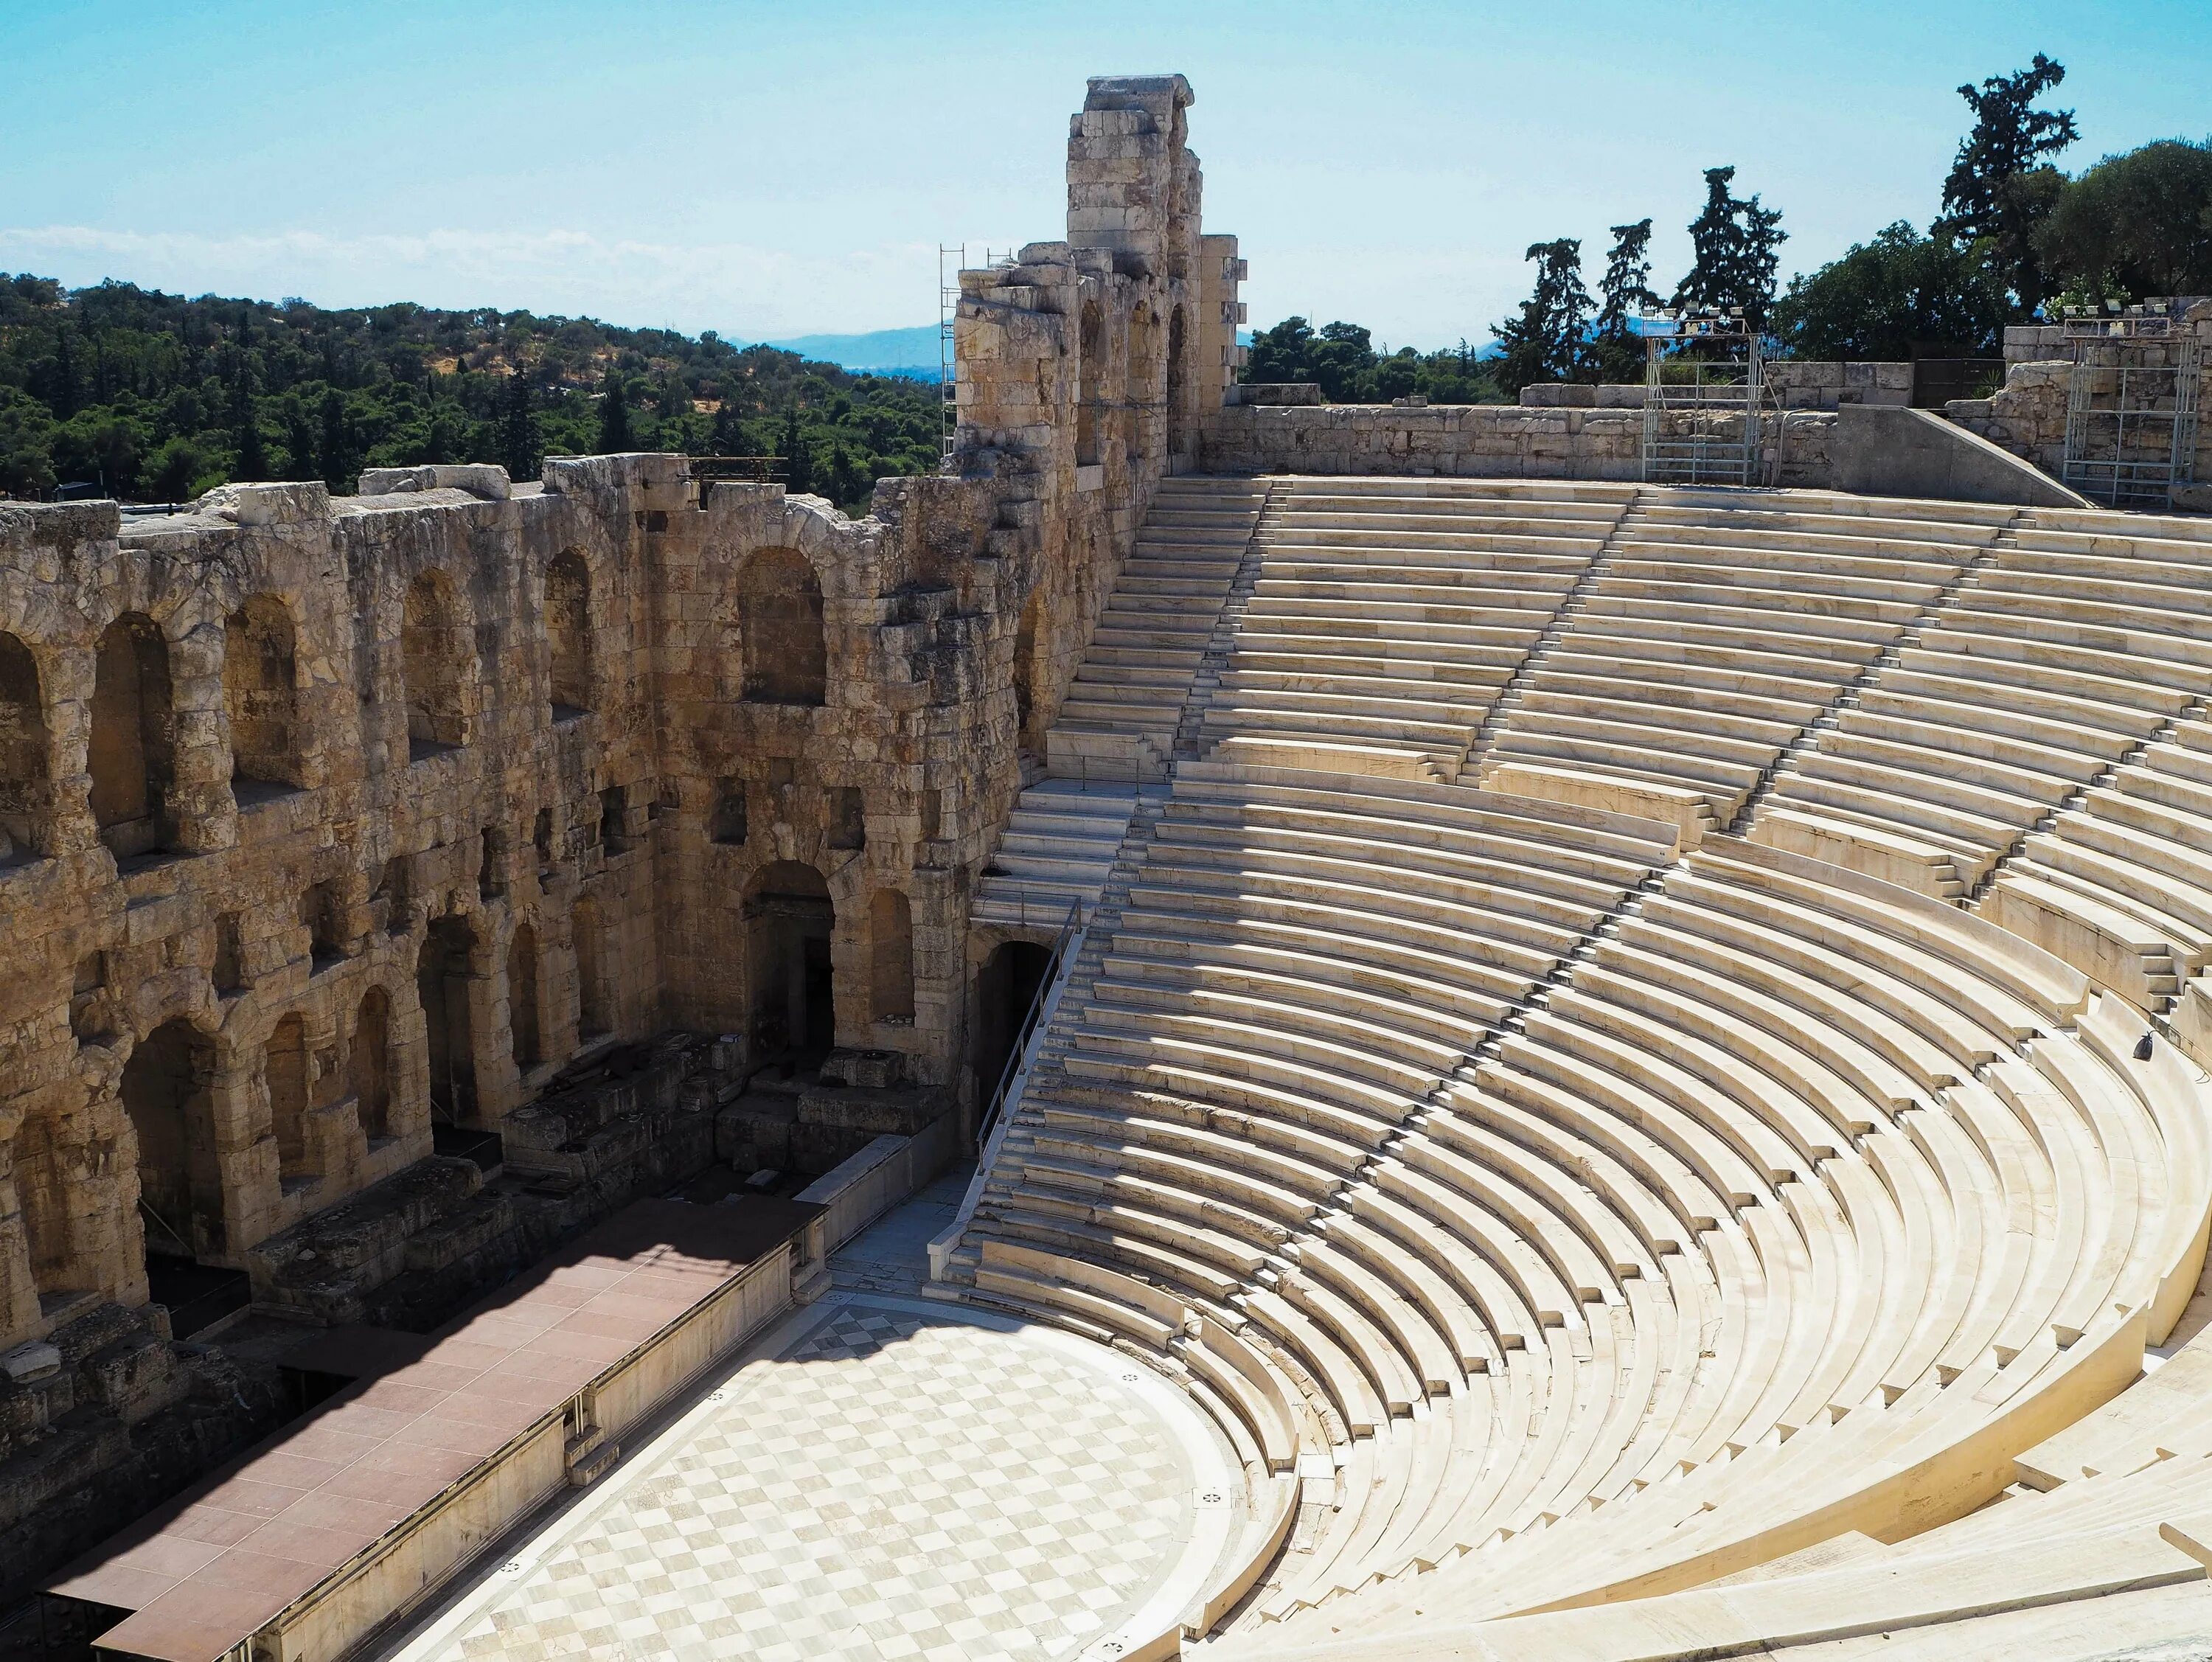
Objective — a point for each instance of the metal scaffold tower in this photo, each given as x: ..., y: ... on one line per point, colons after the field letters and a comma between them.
x: 951, y: 260
x: 1705, y: 398
x: 2131, y: 402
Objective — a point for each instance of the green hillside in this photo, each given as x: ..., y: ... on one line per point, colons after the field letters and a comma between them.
x: 150, y: 397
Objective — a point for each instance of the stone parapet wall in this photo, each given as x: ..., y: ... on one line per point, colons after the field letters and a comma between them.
x: 1798, y: 384
x: 1477, y: 442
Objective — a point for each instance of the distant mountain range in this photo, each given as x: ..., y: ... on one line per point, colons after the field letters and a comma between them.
x: 910, y: 352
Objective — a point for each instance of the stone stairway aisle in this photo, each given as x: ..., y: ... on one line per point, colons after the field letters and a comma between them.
x: 1120, y: 718
x: 1889, y: 659
x: 1001, y: 1165
x: 1058, y: 848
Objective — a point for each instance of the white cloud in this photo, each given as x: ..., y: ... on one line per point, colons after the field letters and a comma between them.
x: 744, y: 289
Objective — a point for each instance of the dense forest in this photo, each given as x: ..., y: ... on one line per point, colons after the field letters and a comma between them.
x: 2014, y: 239
x: 150, y: 397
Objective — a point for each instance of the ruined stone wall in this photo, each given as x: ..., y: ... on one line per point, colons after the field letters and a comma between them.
x: 322, y: 820
x: 1087, y: 369
x: 2027, y: 414
x: 1477, y: 442
x: 256, y: 948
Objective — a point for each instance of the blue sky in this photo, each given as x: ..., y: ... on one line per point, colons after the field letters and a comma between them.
x: 769, y: 170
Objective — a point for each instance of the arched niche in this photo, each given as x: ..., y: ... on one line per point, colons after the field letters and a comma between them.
x: 785, y: 659
x: 166, y: 1094
x: 789, y: 919
x: 594, y: 999
x: 368, y: 1065
x: 437, y: 652
x: 259, y: 673
x: 23, y: 764
x: 133, y: 756
x: 568, y: 634
x: 890, y: 957
x: 1178, y: 385
x: 285, y: 1073
x: 443, y: 975
x: 522, y: 1024
x: 1090, y: 355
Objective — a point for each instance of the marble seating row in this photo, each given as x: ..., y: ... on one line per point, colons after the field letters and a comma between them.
x: 1389, y: 618
x: 2047, y: 667
x: 1714, y: 632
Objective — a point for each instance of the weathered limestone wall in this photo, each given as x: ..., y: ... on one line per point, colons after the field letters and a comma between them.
x: 326, y: 818
x: 1087, y: 368
x: 1476, y: 440
x: 1798, y: 384
x: 2027, y: 414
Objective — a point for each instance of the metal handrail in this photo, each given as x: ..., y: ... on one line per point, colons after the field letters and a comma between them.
x: 1068, y: 927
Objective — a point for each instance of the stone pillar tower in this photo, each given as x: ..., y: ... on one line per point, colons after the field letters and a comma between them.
x: 1132, y: 186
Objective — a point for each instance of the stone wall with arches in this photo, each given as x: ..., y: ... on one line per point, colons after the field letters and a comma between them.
x: 339, y: 832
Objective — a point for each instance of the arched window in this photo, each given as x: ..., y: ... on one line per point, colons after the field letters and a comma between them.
x: 23, y: 752
x: 1178, y: 388
x: 368, y: 1065
x: 594, y: 1009
x: 133, y: 757
x: 257, y: 690
x: 42, y: 1187
x: 1090, y: 346
x: 789, y: 919
x: 780, y: 629
x: 890, y: 957
x: 442, y: 982
x: 568, y: 634
x: 285, y: 1069
x: 437, y: 662
x: 522, y: 996
x: 1145, y: 383
x: 165, y: 1093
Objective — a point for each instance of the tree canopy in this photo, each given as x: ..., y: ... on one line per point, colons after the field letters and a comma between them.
x: 1887, y: 298
x: 2135, y: 225
x: 1737, y: 243
x: 1341, y: 359
x: 2000, y: 187
x: 1545, y: 341
x: 153, y: 397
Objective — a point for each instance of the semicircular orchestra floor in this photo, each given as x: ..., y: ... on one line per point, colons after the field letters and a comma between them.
x: 877, y: 1477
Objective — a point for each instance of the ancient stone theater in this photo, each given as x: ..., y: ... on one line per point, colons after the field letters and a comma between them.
x: 1233, y: 1025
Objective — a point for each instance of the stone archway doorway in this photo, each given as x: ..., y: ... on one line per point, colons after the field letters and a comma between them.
x: 789, y: 919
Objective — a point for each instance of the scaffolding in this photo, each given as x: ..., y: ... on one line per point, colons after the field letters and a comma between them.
x: 1691, y: 395
x: 951, y: 260
x: 2131, y: 402
x: 948, y: 367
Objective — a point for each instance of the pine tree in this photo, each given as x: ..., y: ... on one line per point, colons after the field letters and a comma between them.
x: 798, y: 461
x: 727, y: 436
x: 1737, y: 245
x: 2001, y: 187
x: 1545, y: 343
x: 614, y: 417
x: 1623, y: 291
x: 517, y: 430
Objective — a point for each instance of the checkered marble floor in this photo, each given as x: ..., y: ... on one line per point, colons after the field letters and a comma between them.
x: 892, y: 1483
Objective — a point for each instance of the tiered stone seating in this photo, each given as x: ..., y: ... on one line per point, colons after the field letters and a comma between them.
x: 2121, y: 883
x: 1298, y: 966
x: 1058, y: 846
x: 2070, y: 648
x: 1822, y: 1213
x: 1119, y: 719
x: 1714, y: 631
x: 1385, y: 614
x: 1586, y: 1257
